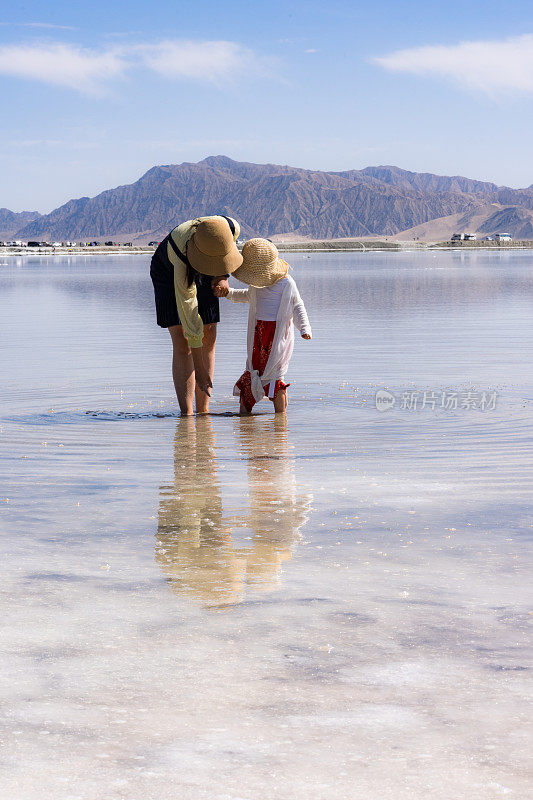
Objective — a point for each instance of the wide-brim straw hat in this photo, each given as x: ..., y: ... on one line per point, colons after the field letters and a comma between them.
x: 211, y: 250
x: 261, y: 264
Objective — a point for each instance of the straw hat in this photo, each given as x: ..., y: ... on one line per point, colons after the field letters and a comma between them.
x: 211, y: 250
x: 261, y: 265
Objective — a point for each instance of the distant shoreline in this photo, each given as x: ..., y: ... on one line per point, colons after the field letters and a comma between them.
x: 76, y: 251
x: 361, y: 246
x: 322, y: 246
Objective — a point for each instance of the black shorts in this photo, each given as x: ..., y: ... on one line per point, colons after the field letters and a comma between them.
x: 162, y: 275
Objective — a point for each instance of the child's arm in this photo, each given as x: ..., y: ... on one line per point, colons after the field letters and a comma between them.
x: 238, y: 295
x: 301, y: 320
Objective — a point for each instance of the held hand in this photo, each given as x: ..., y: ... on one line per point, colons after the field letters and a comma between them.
x: 220, y: 286
x: 306, y: 335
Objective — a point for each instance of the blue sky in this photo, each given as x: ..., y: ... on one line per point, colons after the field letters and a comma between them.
x: 94, y: 95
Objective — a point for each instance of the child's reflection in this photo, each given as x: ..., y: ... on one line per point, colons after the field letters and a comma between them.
x: 276, y: 511
x: 196, y: 544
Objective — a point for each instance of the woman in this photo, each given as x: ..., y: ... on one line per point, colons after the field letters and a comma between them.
x: 195, y: 257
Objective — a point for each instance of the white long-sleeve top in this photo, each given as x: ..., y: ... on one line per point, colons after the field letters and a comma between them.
x: 290, y: 307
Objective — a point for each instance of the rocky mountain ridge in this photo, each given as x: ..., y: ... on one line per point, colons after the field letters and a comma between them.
x: 273, y: 200
x: 12, y: 221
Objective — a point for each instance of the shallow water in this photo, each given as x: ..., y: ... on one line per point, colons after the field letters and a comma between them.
x: 246, y: 608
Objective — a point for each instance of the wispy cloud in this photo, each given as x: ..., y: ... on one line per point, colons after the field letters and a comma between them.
x: 34, y: 143
x: 48, y: 25
x: 209, y: 61
x: 487, y: 66
x: 89, y: 71
x: 65, y: 65
x: 41, y: 144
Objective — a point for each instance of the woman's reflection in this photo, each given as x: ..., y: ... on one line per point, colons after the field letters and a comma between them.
x: 194, y: 546
x: 211, y: 557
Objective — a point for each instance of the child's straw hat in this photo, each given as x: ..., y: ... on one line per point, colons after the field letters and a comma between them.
x: 261, y: 265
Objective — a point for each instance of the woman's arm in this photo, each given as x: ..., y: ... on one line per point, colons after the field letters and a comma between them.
x: 186, y: 302
x: 192, y: 325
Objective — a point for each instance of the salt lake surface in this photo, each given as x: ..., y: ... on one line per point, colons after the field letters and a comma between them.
x: 246, y: 609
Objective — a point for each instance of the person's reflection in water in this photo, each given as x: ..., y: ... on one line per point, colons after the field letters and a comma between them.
x: 277, y: 511
x: 202, y: 552
x: 194, y: 546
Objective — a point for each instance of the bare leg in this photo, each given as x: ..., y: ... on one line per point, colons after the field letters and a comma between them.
x: 208, y: 349
x: 243, y: 411
x: 182, y: 370
x: 280, y: 402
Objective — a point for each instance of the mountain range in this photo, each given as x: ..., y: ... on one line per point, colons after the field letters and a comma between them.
x: 285, y: 202
x: 12, y: 221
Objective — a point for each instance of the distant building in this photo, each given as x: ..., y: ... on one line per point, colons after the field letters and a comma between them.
x: 457, y: 237
x: 503, y: 237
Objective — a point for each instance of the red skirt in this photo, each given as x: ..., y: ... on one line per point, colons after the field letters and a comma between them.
x: 263, y: 338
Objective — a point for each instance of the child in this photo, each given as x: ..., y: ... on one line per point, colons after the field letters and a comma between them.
x: 274, y: 301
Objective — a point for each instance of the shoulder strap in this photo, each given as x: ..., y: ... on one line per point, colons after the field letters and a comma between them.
x: 180, y: 255
x: 191, y: 272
